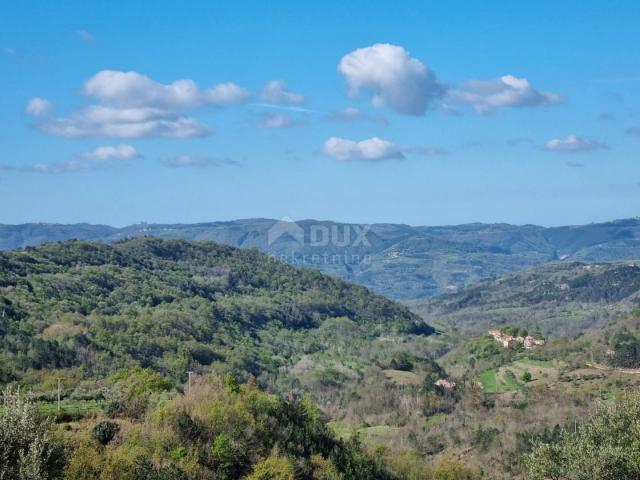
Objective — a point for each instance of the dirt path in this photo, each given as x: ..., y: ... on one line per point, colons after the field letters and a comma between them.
x: 632, y: 371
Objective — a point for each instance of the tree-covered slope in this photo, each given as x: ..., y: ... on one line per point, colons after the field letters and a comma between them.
x: 558, y: 299
x: 170, y: 306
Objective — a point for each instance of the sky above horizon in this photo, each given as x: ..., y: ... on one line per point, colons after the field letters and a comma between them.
x: 416, y: 112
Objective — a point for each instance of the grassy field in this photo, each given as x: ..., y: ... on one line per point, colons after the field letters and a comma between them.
x: 401, y: 377
x: 78, y: 408
x: 501, y: 381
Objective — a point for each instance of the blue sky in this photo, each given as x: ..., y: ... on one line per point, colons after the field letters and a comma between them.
x: 406, y: 112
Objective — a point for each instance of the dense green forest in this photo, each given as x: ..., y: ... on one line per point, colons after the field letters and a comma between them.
x: 170, y: 306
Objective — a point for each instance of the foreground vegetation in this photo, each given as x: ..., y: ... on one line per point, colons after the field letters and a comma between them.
x: 219, y: 430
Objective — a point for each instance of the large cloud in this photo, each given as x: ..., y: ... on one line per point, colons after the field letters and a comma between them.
x: 132, y: 105
x: 506, y: 91
x: 132, y: 89
x: 574, y: 143
x: 394, y: 78
x: 407, y: 85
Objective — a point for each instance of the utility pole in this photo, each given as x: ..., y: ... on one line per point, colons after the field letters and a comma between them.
x: 58, y: 396
x: 189, y: 384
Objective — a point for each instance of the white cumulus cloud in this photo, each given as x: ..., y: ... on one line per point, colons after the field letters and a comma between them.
x: 132, y: 89
x: 132, y: 105
x: 39, y: 107
x: 506, y: 91
x: 574, y: 143
x: 393, y: 78
x: 276, y: 92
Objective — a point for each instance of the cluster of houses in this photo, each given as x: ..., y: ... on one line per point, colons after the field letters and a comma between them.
x: 508, y: 341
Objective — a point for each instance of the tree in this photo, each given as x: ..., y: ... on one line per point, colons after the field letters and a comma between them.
x: 273, y: 467
x: 607, y: 447
x: 526, y: 376
x: 27, y: 448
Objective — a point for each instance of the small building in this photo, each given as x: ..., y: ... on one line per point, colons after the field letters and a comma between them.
x: 444, y: 383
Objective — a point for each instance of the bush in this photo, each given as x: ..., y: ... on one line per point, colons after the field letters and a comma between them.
x: 104, y: 431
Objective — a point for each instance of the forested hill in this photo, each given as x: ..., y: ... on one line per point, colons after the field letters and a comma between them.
x: 170, y: 305
x: 398, y: 261
x: 558, y: 299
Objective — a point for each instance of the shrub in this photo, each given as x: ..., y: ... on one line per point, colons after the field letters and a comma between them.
x: 104, y: 431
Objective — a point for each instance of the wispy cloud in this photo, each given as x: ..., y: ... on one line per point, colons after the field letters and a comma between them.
x: 39, y: 107
x: 574, y: 144
x: 96, y: 159
x: 278, y: 121
x: 352, y: 114
x: 518, y: 141
x: 197, y: 161
x: 84, y: 36
x: 276, y: 92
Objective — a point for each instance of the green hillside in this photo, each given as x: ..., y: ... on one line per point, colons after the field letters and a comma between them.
x: 396, y: 260
x: 173, y: 306
x: 557, y: 300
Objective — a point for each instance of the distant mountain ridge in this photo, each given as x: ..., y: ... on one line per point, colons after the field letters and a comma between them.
x: 400, y: 261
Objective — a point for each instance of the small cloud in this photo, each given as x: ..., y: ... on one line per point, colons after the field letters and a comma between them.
x: 351, y: 114
x: 605, y: 116
x: 633, y: 131
x: 518, y: 141
x: 573, y: 164
x: 374, y: 149
x: 108, y: 153
x: 424, y: 150
x: 39, y: 107
x: 97, y: 159
x: 84, y: 36
x: 276, y: 92
x: 573, y: 144
x: 198, y: 161
x: 277, y: 121
x: 393, y: 77
x: 507, y: 91
x: 370, y: 149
